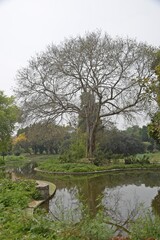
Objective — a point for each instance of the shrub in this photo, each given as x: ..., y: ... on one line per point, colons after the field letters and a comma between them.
x: 146, y: 227
x: 137, y: 160
x: 15, y: 194
x: 2, y: 161
x: 99, y: 157
x: 96, y: 228
x: 75, y: 151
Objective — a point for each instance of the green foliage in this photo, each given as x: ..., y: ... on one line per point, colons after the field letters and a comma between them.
x: 155, y: 87
x: 96, y: 228
x: 137, y: 160
x: 2, y: 161
x: 18, y: 150
x: 17, y: 194
x: 15, y: 158
x: 122, y: 142
x: 14, y: 222
x: 10, y: 159
x: 76, y: 150
x: 49, y: 165
x: 2, y: 173
x: 42, y: 227
x: 41, y: 137
x: 154, y: 127
x: 146, y: 227
x: 8, y: 117
x: 99, y: 157
x: 154, y: 157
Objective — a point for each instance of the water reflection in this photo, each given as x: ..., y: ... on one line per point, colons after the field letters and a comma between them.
x: 127, y: 202
x: 66, y: 205
x: 130, y: 188
x: 156, y: 203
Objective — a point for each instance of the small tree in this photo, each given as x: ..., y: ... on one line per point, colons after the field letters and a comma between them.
x: 112, y: 74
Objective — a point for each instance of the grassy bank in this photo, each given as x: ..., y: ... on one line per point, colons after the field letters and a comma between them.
x: 86, y: 168
x: 53, y: 164
x: 14, y: 222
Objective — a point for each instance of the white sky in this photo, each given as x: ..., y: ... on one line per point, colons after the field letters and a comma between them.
x: 28, y: 26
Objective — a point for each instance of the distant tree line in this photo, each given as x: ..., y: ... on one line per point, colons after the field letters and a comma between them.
x: 43, y: 138
x: 40, y: 138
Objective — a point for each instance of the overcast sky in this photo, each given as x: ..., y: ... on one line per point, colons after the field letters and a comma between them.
x: 28, y: 26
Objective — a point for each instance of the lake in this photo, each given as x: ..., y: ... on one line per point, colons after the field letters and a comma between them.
x: 122, y: 194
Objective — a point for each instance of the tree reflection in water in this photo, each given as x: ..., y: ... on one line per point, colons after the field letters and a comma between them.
x: 156, y: 204
x: 66, y: 205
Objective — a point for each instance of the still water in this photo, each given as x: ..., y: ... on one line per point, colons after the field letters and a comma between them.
x: 120, y: 193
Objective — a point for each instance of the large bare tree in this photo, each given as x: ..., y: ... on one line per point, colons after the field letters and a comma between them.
x: 111, y: 74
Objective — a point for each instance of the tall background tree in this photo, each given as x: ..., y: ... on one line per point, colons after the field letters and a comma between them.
x: 94, y: 77
x: 8, y: 118
x: 154, y: 126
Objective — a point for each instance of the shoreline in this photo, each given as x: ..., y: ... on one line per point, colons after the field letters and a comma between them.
x: 94, y: 172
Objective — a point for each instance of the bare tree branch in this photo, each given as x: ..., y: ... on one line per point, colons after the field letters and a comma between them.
x: 116, y: 72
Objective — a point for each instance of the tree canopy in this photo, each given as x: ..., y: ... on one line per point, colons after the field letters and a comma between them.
x: 154, y: 126
x: 111, y: 74
x: 8, y: 118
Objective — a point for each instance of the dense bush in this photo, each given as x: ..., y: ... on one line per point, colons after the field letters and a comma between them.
x: 75, y: 151
x: 137, y: 160
x: 17, y: 194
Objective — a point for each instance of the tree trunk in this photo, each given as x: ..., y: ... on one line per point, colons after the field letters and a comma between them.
x: 91, y: 142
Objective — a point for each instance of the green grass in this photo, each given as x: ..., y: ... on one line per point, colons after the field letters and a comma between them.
x: 54, y: 165
x: 42, y: 158
x: 50, y: 165
x: 12, y: 160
